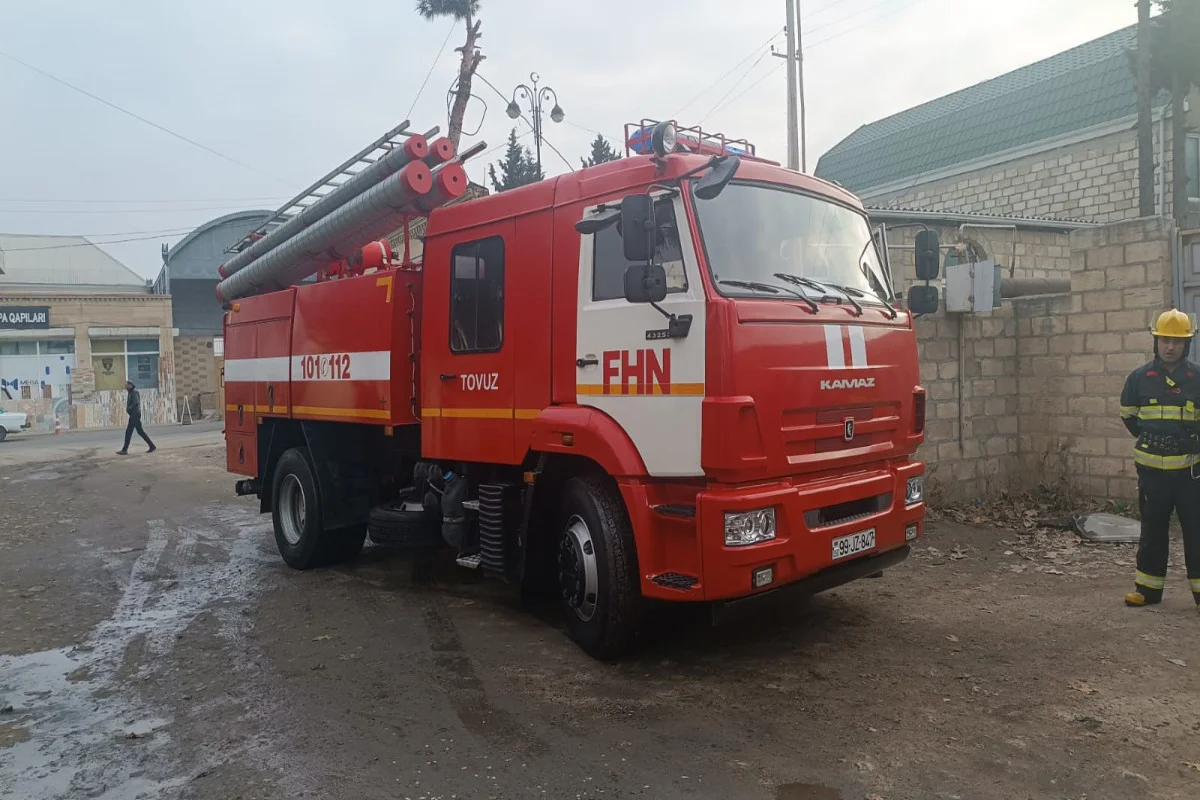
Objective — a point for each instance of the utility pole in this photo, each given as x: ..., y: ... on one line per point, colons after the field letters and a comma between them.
x: 1145, y: 134
x: 800, y: 81
x: 797, y: 146
x: 793, y: 154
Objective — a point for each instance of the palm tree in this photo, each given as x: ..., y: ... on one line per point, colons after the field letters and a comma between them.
x: 463, y: 11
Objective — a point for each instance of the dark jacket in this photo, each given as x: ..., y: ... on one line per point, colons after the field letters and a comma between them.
x: 1162, y: 409
x: 133, y: 404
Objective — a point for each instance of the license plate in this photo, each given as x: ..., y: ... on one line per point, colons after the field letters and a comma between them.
x: 846, y: 546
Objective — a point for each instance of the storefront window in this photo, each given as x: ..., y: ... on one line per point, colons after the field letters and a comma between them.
x: 118, y: 360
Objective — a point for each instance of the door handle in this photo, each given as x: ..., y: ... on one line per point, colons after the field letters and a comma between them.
x: 589, y: 361
x: 448, y: 377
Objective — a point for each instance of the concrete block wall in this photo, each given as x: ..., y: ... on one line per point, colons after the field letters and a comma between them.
x: 1073, y: 365
x: 1041, y: 377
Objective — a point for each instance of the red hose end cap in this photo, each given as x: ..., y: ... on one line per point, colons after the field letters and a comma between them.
x: 416, y: 146
x: 417, y: 178
x: 442, y: 149
x: 451, y: 181
x: 221, y: 271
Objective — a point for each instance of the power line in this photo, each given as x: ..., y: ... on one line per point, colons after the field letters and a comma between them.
x: 734, y: 86
x: 143, y: 200
x: 94, y: 244
x: 863, y: 24
x: 436, y: 59
x: 140, y: 118
x: 729, y: 72
x: 112, y: 210
x: 750, y: 88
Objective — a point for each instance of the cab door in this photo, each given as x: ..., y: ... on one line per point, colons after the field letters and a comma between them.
x: 467, y: 392
x: 626, y: 364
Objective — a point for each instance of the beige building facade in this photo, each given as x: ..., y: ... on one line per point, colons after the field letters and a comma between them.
x: 74, y: 327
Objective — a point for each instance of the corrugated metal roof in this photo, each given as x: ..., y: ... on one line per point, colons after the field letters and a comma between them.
x: 1080, y: 88
x: 61, y: 262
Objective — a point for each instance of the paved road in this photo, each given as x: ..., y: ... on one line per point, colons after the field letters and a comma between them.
x: 153, y: 646
x: 32, y: 448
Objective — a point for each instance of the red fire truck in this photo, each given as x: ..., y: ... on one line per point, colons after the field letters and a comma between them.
x: 675, y: 376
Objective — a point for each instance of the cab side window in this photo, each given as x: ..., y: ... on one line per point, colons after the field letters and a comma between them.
x: 477, y: 296
x: 608, y: 257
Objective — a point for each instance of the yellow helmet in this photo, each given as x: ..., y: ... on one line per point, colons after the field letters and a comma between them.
x: 1174, y: 324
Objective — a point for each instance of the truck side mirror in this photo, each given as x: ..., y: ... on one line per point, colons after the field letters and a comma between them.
x: 637, y: 228
x: 646, y: 283
x: 923, y: 299
x: 928, y: 252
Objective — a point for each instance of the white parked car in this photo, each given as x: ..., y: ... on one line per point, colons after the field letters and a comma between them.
x: 12, y: 422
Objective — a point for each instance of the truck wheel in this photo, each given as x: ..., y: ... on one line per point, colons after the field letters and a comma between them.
x: 297, y: 513
x: 405, y: 523
x: 597, y: 568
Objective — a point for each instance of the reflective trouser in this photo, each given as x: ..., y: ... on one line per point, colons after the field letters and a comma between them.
x: 1161, y: 491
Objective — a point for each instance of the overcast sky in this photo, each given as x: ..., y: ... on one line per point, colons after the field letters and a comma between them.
x: 290, y: 89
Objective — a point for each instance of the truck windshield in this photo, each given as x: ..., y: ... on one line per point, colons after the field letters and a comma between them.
x: 759, y: 234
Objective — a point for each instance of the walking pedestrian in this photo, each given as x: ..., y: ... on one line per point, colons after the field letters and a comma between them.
x: 1160, y: 405
x: 133, y: 406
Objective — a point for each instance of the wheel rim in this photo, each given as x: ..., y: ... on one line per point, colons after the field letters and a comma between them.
x: 292, y: 509
x: 577, y: 572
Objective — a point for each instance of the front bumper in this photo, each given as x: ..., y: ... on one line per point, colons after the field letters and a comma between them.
x: 682, y: 550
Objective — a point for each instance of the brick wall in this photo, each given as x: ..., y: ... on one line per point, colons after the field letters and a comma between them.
x: 1094, y: 180
x: 1041, y: 377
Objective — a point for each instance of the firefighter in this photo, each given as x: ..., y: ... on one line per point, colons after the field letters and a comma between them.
x: 1160, y: 405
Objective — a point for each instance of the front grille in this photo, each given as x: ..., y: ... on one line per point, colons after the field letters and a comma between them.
x: 676, y: 580
x: 843, y: 513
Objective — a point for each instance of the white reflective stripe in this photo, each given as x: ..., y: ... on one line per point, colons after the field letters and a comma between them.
x: 858, y: 346
x: 834, y: 351
x: 249, y: 370
x: 370, y: 366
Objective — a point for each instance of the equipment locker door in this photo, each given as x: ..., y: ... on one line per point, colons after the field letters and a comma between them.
x: 467, y: 383
x: 626, y: 365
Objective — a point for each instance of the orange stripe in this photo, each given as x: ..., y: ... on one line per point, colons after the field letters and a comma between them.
x: 634, y: 390
x: 248, y: 409
x: 366, y: 413
x: 482, y: 413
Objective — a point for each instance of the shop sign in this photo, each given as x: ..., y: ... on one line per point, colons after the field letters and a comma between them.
x: 24, y: 318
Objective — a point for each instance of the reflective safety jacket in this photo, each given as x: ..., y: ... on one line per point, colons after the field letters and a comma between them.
x: 1162, y: 409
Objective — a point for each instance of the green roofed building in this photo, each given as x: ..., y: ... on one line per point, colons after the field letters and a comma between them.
x: 1053, y: 139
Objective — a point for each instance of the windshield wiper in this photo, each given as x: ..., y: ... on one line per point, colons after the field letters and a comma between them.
x: 766, y: 287
x: 824, y: 289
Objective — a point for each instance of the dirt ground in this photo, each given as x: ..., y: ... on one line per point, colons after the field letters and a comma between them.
x: 152, y: 645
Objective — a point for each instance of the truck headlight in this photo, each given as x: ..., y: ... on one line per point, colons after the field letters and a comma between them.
x: 914, y: 492
x: 749, y: 527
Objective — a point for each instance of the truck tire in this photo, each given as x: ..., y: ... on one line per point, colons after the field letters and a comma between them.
x: 597, y: 568
x: 296, y: 514
x: 395, y: 525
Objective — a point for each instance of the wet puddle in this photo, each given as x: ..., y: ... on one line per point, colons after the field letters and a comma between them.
x: 78, y: 727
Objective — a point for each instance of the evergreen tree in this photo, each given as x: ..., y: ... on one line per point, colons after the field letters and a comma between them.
x: 517, y: 168
x: 602, y: 152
